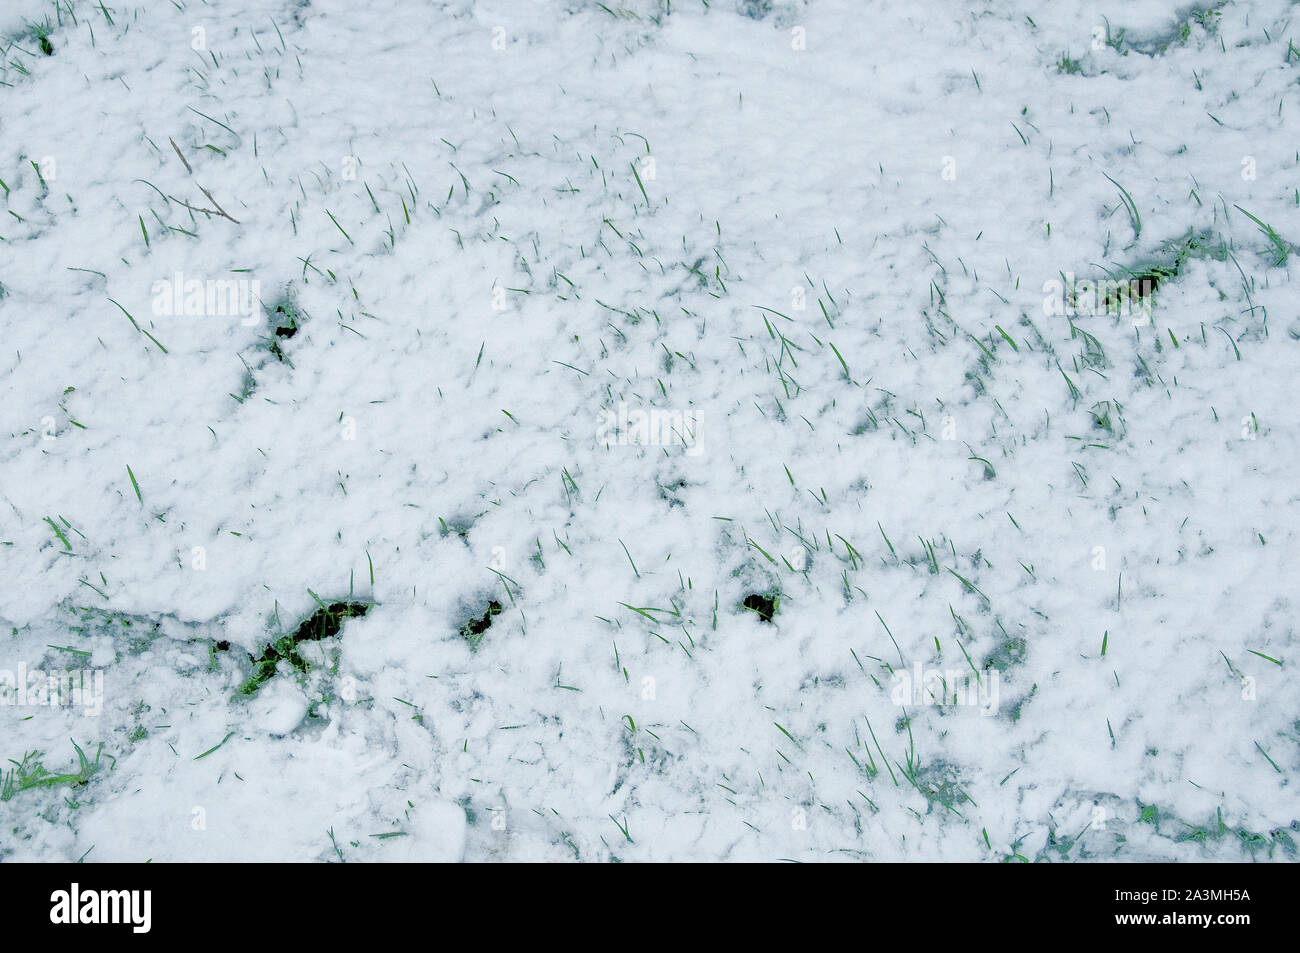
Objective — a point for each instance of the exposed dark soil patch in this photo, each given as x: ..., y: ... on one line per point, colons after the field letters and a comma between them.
x: 472, y: 631
x: 1145, y: 285
x: 324, y: 623
x: 285, y: 318
x: 1140, y: 286
x: 765, y: 606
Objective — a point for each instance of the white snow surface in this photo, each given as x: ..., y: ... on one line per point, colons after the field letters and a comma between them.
x: 815, y: 238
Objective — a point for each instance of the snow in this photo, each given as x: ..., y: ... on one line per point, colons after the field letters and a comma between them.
x: 620, y: 308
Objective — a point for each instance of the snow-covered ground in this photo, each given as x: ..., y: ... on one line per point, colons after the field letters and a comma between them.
x: 645, y: 431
